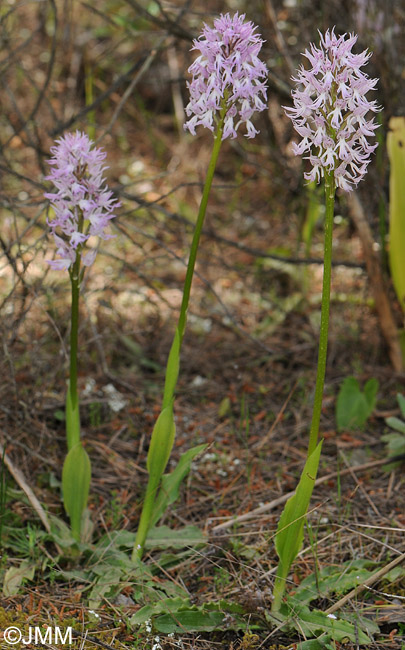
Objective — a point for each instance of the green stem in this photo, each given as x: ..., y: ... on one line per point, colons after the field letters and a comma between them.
x: 181, y: 326
x: 72, y: 399
x: 144, y: 521
x: 330, y: 189
x: 74, y: 334
x: 164, y: 440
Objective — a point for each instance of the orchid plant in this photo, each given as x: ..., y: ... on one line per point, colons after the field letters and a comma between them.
x: 330, y: 114
x: 227, y: 88
x: 82, y: 209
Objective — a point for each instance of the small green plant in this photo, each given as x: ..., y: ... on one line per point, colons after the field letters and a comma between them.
x: 354, y: 406
x: 396, y: 441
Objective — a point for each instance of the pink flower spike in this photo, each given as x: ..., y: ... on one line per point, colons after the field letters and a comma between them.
x: 227, y: 74
x: 82, y: 204
x: 329, y: 110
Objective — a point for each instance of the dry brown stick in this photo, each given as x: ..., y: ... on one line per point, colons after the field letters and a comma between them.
x: 373, y: 578
x: 375, y: 276
x: 20, y: 479
x: 280, y: 500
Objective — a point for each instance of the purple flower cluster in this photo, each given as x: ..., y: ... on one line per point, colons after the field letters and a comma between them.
x: 330, y: 109
x: 82, y: 204
x: 227, y: 75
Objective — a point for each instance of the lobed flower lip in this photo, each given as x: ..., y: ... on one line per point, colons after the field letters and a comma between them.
x: 329, y: 110
x: 81, y: 195
x: 227, y: 73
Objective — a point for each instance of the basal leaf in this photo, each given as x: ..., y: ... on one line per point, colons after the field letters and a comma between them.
x: 163, y: 537
x: 170, y: 485
x: 203, y: 618
x: 332, y: 579
x: 289, y: 535
x: 76, y: 477
x: 163, y: 606
x: 15, y: 576
x: 290, y: 530
x: 106, y: 585
x: 189, y: 621
x: 315, y: 622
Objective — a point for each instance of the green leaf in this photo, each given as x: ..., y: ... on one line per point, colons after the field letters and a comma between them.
x: 401, y: 403
x: 160, y: 448
x: 317, y: 644
x: 138, y: 352
x: 15, y: 576
x: 314, y: 622
x: 170, y: 485
x: 332, y: 579
x: 61, y: 534
x: 396, y: 153
x: 116, y: 539
x: 76, y: 477
x: 161, y: 445
x: 163, y: 606
x: 206, y: 618
x: 396, y: 423
x: 172, y: 369
x: 395, y: 443
x: 164, y: 537
x: 290, y: 530
x: 370, y: 393
x: 354, y: 407
x: 106, y: 586
x: 189, y: 621
x: 59, y: 415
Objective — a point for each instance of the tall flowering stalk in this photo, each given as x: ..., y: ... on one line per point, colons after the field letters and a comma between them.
x: 83, y: 207
x: 330, y: 114
x: 227, y: 88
